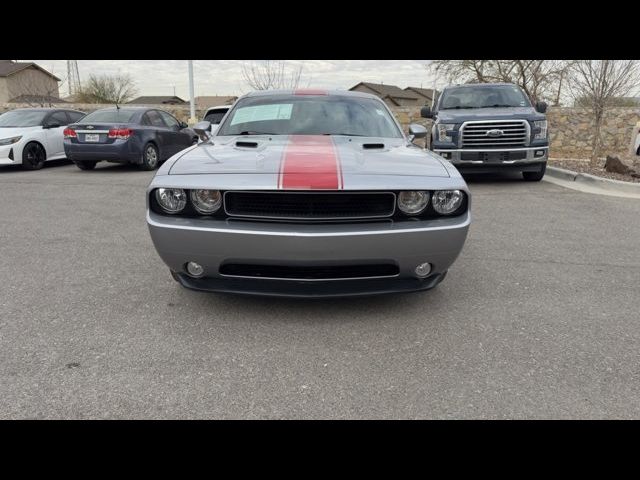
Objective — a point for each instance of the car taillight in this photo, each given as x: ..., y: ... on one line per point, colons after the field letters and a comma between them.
x: 120, y: 133
x: 70, y: 133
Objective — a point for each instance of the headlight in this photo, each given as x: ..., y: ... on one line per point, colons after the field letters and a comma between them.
x: 171, y: 200
x: 10, y: 141
x: 413, y: 202
x: 206, y: 201
x: 445, y: 202
x: 442, y: 131
x: 542, y: 125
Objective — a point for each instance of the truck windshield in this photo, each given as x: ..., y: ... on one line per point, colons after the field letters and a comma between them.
x: 483, y: 96
x: 310, y: 115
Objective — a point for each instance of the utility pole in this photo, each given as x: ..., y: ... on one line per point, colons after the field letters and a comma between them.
x: 73, y: 77
x: 192, y: 119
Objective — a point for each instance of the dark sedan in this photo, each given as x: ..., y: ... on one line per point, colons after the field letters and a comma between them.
x: 140, y: 136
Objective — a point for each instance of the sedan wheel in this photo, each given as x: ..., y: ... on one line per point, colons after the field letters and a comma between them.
x: 150, y: 157
x: 33, y: 156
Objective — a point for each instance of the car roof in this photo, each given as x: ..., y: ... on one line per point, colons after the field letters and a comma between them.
x: 311, y: 91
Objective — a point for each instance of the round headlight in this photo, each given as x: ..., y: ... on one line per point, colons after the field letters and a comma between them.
x: 206, y: 201
x: 446, y: 202
x: 413, y: 202
x: 171, y: 200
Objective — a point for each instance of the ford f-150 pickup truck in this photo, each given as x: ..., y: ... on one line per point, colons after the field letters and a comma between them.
x: 490, y: 127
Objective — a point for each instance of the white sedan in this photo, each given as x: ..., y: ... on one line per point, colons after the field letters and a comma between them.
x: 636, y: 146
x: 31, y: 136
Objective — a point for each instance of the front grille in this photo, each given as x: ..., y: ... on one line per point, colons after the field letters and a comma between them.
x: 310, y: 206
x: 514, y: 133
x: 323, y: 272
x: 493, y: 156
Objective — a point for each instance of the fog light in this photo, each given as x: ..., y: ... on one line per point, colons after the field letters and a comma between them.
x: 423, y: 269
x: 195, y: 269
x: 446, y: 155
x: 539, y: 153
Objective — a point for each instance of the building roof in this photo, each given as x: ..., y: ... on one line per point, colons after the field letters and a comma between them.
x: 157, y: 100
x: 9, y: 67
x: 36, y: 99
x: 387, y: 90
x: 214, y: 101
x: 424, y: 92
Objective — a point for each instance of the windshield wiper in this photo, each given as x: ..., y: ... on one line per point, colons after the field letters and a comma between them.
x: 250, y: 132
x: 348, y: 134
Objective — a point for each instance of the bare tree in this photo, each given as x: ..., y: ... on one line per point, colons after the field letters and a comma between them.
x: 271, y: 74
x: 598, y: 84
x: 540, y: 79
x: 107, y: 89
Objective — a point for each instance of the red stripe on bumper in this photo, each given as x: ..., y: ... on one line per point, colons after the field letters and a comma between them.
x: 310, y: 162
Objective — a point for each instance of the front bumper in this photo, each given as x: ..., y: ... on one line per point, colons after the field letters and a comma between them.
x: 532, y: 158
x: 8, y: 151
x: 212, y: 243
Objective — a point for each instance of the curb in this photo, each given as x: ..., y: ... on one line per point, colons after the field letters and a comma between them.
x: 593, y: 181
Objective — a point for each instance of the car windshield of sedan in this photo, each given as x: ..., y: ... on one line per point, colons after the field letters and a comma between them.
x: 495, y: 96
x: 310, y: 115
x: 22, y: 118
x: 110, y: 116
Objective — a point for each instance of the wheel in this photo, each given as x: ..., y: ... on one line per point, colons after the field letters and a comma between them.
x: 86, y: 165
x: 150, y: 157
x: 33, y: 156
x: 535, y: 176
x: 194, y: 141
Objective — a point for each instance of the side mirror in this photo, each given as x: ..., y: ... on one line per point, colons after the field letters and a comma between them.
x: 416, y: 131
x: 183, y: 125
x: 214, y: 128
x: 202, y: 129
x: 425, y: 112
x: 541, y: 107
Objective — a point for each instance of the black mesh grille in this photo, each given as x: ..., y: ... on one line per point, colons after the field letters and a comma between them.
x: 309, y: 272
x: 494, y: 156
x: 314, y: 206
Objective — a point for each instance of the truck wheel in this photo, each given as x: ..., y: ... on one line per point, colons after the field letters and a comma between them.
x: 86, y: 165
x: 535, y: 176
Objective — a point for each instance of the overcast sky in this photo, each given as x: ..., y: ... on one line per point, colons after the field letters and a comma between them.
x: 224, y: 77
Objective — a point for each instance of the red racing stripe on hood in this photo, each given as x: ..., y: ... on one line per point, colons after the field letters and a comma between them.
x: 310, y: 162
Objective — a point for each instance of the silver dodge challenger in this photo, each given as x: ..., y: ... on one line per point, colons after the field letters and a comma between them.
x: 308, y: 193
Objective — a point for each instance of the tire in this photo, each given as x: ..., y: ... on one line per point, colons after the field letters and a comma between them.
x: 33, y: 156
x: 535, y: 176
x: 150, y: 157
x: 86, y: 165
x: 194, y: 141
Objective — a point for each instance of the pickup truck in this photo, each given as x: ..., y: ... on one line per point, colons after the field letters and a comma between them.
x: 489, y: 128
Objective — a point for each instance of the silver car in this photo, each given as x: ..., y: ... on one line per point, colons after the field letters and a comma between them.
x: 308, y: 193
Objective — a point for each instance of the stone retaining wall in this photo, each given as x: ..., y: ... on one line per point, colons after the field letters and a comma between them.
x: 570, y: 128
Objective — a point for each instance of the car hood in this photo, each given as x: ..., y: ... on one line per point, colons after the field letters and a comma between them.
x: 469, y: 114
x: 297, y: 155
x: 16, y: 131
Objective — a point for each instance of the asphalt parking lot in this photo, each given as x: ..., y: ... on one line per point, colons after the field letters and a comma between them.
x: 538, y: 318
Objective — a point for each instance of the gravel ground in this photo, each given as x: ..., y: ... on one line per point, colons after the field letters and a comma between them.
x: 583, y: 166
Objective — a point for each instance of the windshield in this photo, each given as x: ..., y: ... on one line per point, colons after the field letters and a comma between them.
x: 22, y: 118
x: 495, y: 96
x: 310, y: 115
x: 109, y: 116
x: 215, y: 116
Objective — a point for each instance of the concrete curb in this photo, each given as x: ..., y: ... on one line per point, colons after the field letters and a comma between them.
x: 588, y: 180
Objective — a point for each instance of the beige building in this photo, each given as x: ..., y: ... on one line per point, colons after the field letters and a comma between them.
x: 26, y: 82
x: 205, y: 102
x: 392, y: 95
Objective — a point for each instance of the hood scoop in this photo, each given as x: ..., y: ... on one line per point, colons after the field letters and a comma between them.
x: 373, y: 146
x: 247, y: 144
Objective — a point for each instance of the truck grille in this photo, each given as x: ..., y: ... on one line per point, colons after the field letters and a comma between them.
x: 495, y: 134
x: 310, y: 205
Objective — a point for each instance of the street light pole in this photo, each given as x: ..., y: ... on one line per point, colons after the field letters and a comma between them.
x: 192, y: 119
